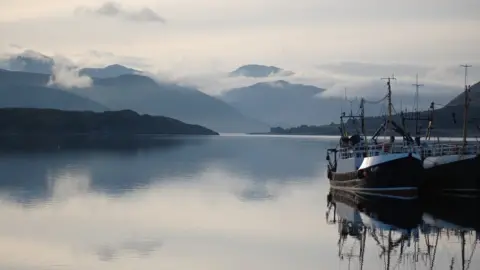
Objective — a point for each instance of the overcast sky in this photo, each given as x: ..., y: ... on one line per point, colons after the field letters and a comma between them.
x: 330, y: 44
x: 219, y: 34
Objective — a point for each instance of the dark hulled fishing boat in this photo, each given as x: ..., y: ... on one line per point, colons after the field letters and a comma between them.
x: 386, y: 169
x: 457, y: 173
x: 453, y: 167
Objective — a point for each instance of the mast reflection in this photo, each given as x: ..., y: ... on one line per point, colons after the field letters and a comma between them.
x: 399, y: 234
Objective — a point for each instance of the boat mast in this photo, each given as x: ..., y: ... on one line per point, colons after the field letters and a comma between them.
x: 362, y: 117
x: 462, y: 238
x: 362, y: 122
x: 389, y: 97
x: 417, y: 131
x: 465, y: 107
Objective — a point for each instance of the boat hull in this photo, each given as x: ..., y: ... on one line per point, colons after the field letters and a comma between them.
x: 399, y: 178
x: 459, y: 177
x: 453, y: 211
x: 402, y: 214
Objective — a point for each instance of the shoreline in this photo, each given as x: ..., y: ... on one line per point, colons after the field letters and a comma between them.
x: 440, y: 135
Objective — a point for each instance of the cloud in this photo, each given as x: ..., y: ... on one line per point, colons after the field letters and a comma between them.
x: 116, y: 10
x: 143, y: 248
x: 66, y: 75
x: 191, y: 219
x: 441, y: 83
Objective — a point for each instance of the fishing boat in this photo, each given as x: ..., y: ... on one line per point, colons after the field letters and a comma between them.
x: 450, y: 167
x: 375, y: 168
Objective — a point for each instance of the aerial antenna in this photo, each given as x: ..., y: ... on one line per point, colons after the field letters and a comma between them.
x: 417, y: 97
x: 466, y: 66
x: 349, y: 100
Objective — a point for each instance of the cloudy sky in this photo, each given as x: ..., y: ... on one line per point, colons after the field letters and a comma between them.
x: 187, y: 36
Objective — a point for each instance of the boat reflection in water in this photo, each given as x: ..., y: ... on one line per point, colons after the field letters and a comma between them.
x: 454, y: 218
x: 399, y: 234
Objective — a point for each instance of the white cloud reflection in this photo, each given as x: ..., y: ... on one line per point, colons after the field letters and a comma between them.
x: 200, y: 224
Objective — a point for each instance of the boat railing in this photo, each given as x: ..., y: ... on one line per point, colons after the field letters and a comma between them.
x: 454, y: 148
x: 426, y: 150
x: 377, y: 149
x: 399, y: 148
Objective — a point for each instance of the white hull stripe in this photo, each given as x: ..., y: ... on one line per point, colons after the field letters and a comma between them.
x: 376, y: 160
x: 430, y: 162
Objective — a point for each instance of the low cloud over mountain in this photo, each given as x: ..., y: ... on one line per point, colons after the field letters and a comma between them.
x: 117, y: 88
x: 258, y: 100
x: 260, y: 71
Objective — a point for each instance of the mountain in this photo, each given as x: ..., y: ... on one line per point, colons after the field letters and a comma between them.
x: 139, y: 93
x: 144, y: 95
x: 35, y: 62
x: 259, y: 71
x: 22, y: 121
x: 285, y: 104
x: 281, y: 103
x: 447, y: 121
x: 30, y: 61
x: 474, y: 97
x: 29, y: 90
x: 108, y: 71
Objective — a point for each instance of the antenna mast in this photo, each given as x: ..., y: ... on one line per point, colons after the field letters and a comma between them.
x: 466, y: 104
x: 416, y: 104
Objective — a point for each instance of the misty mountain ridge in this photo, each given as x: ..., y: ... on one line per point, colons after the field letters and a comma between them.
x: 30, y: 61
x: 259, y: 71
x: 280, y: 103
x: 35, y: 62
x: 130, y: 92
x: 474, y: 97
x: 110, y: 71
x: 30, y: 90
x: 245, y: 109
x: 279, y: 87
x: 285, y: 104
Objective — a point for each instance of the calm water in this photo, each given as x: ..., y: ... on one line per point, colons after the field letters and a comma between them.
x: 228, y: 202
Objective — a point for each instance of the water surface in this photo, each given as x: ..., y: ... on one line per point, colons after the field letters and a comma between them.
x: 224, y: 202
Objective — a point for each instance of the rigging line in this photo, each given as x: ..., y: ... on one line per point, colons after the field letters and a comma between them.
x: 376, y: 102
x: 448, y: 105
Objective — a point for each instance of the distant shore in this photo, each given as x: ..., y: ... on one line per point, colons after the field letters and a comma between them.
x: 31, y: 122
x: 435, y: 133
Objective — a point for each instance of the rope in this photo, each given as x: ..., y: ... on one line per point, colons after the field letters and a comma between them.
x: 448, y: 105
x: 376, y: 102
